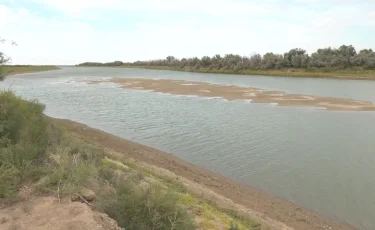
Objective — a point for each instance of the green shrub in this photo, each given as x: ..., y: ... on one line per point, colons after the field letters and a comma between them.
x: 136, y: 209
x: 233, y: 226
x: 23, y: 141
x: 67, y: 173
x: 69, y: 164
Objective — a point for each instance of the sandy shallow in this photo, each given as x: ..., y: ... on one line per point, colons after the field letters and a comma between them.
x: 273, y: 211
x: 231, y: 92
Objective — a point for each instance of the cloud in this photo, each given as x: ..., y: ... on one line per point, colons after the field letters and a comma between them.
x: 69, y: 32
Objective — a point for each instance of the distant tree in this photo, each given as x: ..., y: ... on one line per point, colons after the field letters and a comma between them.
x: 117, y: 63
x: 206, y: 61
x: 3, y: 59
x: 346, y: 53
x: 366, y: 51
x: 294, y: 52
x: 183, y: 62
x: 365, y: 58
x: 255, y: 61
x: 328, y: 58
x: 270, y: 60
x: 170, y: 59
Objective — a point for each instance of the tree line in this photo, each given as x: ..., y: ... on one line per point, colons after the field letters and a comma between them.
x: 323, y: 59
x: 115, y: 63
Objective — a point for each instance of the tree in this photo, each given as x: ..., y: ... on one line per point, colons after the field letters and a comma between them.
x: 255, y: 61
x: 294, y: 52
x: 3, y: 60
x: 329, y: 58
x: 170, y: 59
x: 206, y: 61
x: 270, y: 60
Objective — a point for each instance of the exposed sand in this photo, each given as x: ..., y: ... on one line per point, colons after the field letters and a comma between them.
x: 265, y: 207
x: 231, y: 92
x: 47, y: 213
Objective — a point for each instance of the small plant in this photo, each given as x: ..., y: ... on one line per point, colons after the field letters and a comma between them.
x: 233, y: 226
x: 153, y: 208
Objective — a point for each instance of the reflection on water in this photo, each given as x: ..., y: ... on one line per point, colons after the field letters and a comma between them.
x: 322, y: 160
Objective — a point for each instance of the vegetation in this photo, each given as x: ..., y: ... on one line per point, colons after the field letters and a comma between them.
x: 18, y: 69
x: 344, y: 61
x: 143, y: 209
x: 23, y: 142
x: 3, y: 60
x: 38, y: 154
x: 113, y: 64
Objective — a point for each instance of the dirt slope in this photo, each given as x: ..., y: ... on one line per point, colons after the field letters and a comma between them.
x: 46, y: 213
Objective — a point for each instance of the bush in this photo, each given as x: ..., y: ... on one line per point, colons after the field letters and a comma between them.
x: 152, y: 208
x: 23, y: 141
x: 233, y: 226
x: 67, y: 172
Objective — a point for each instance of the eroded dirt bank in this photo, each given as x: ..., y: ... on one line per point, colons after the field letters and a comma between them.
x: 44, y: 213
x: 267, y: 206
x: 231, y: 92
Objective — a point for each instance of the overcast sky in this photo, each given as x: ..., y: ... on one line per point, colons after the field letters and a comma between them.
x: 74, y: 31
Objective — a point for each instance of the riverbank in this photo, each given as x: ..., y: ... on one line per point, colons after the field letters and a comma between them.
x: 339, y: 74
x: 253, y: 202
x: 22, y: 69
x: 55, y: 178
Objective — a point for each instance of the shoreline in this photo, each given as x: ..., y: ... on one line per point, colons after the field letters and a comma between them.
x: 270, y: 209
x: 14, y: 70
x: 275, y: 73
x: 283, y: 73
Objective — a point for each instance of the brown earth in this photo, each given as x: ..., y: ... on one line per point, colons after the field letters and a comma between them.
x: 231, y: 92
x: 268, y: 208
x: 44, y: 213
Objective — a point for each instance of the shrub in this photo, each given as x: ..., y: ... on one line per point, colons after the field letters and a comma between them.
x: 67, y: 172
x: 23, y: 141
x: 233, y: 226
x: 153, y: 208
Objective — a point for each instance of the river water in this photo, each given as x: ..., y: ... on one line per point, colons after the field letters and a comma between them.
x: 321, y: 160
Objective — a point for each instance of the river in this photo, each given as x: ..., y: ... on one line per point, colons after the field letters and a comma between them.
x: 321, y: 160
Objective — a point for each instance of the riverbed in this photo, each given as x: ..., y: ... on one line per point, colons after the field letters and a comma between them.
x: 322, y: 160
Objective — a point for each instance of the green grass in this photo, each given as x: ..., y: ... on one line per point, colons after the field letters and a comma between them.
x: 23, y: 142
x: 318, y: 73
x: 18, y: 69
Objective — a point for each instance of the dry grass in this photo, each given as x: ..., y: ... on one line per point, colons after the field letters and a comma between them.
x: 17, y: 69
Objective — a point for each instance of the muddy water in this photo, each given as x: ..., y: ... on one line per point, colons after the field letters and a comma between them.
x: 322, y: 160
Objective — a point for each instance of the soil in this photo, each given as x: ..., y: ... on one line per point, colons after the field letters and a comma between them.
x: 275, y: 212
x: 231, y: 92
x: 44, y: 213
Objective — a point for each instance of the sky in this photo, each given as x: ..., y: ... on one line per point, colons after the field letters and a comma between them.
x: 65, y: 32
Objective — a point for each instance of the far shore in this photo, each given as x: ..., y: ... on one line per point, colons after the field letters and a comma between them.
x: 340, y: 74
x: 361, y: 75
x: 12, y: 70
x: 272, y: 211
